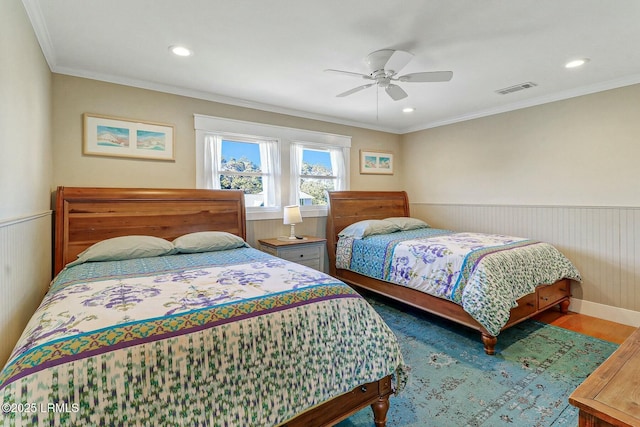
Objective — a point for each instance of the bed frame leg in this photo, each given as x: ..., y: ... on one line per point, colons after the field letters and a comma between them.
x: 564, y: 306
x: 489, y: 342
x: 380, y: 408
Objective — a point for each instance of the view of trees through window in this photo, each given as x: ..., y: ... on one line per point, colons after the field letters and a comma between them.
x: 241, y: 169
x: 316, y: 177
x: 243, y: 176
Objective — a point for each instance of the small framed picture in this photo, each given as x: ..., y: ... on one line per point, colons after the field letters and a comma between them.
x: 118, y: 137
x: 376, y: 162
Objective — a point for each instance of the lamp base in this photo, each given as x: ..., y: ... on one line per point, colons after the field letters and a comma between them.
x: 292, y: 236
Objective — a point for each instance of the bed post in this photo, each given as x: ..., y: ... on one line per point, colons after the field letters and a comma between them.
x: 331, y: 239
x: 489, y: 342
x: 380, y: 409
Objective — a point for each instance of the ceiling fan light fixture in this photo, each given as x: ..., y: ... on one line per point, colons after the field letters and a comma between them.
x: 576, y: 63
x: 180, y: 50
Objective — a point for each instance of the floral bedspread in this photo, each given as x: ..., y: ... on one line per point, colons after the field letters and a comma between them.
x: 484, y: 273
x: 224, y: 338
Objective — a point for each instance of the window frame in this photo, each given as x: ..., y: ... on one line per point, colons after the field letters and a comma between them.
x: 269, y: 170
x: 207, y: 125
x: 339, y: 153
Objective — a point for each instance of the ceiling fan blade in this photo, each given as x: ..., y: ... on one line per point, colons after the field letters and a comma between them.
x: 354, y: 90
x: 349, y: 73
x: 399, y: 59
x: 429, y: 76
x: 396, y: 92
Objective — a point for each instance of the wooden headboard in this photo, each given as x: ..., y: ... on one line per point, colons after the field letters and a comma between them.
x: 85, y: 216
x: 347, y: 207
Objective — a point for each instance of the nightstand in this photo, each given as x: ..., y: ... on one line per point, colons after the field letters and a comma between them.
x: 309, y: 252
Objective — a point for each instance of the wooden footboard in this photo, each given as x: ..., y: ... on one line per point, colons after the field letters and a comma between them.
x: 376, y: 394
x: 545, y: 297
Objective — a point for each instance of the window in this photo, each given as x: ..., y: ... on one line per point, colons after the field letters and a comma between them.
x: 242, y: 163
x: 316, y: 169
x: 250, y: 156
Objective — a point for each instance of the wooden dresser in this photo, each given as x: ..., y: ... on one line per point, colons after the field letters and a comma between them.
x: 610, y: 396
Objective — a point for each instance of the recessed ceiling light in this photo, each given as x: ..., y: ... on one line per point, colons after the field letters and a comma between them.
x: 408, y: 110
x: 180, y: 50
x: 576, y: 63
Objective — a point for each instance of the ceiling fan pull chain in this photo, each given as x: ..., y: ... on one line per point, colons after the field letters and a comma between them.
x: 377, y: 103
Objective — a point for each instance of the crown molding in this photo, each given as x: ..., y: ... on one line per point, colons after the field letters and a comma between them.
x: 40, y: 29
x: 560, y: 96
x: 208, y: 96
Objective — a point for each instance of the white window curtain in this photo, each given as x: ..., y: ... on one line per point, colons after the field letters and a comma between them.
x: 269, y: 159
x: 276, y: 140
x: 296, y: 167
x: 271, y: 170
x: 211, y: 161
x: 339, y: 157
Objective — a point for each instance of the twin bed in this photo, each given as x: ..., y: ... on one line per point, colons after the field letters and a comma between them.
x: 160, y: 314
x: 485, y: 282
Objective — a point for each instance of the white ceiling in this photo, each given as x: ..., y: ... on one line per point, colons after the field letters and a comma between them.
x: 270, y: 54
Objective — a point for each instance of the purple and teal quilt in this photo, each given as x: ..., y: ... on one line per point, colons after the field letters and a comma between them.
x: 484, y: 273
x: 227, y: 338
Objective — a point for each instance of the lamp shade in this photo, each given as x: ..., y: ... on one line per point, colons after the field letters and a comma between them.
x: 292, y: 215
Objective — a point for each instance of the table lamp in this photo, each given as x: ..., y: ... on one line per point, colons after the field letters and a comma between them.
x: 292, y: 216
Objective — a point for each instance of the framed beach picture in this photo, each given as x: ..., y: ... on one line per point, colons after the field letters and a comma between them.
x: 376, y: 162
x: 118, y: 137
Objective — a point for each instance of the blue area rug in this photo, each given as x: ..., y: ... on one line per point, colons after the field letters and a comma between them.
x: 452, y: 382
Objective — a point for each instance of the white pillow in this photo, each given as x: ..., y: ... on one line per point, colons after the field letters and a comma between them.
x: 369, y: 227
x: 208, y: 241
x: 125, y: 247
x: 406, y: 223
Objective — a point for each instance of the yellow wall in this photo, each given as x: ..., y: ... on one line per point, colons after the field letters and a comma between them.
x: 582, y: 151
x: 73, y: 96
x: 25, y: 117
x: 25, y: 174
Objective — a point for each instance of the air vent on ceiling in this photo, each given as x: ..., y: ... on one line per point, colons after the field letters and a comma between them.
x: 516, y: 88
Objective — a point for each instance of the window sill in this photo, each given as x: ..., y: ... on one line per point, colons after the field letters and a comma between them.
x: 307, y: 212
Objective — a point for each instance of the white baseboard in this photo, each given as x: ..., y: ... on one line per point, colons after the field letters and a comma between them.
x: 607, y: 312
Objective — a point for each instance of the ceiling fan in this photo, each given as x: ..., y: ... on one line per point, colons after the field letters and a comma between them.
x: 384, y: 65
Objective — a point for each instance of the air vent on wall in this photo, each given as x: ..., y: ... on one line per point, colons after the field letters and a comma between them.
x: 516, y: 88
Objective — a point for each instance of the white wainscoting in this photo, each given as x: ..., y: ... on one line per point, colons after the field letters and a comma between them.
x: 25, y: 273
x: 602, y: 242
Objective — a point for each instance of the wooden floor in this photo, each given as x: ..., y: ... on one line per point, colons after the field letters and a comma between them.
x: 588, y: 325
